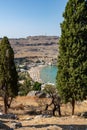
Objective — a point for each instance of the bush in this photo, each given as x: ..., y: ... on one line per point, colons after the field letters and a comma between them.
x: 37, y: 86
x: 25, y: 87
x: 27, y: 84
x: 55, y: 98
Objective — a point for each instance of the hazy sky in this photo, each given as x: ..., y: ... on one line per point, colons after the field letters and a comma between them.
x: 22, y: 18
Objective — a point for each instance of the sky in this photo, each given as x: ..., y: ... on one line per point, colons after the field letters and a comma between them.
x: 22, y: 18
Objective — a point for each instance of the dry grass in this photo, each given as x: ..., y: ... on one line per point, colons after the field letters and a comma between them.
x: 25, y: 107
x: 21, y: 102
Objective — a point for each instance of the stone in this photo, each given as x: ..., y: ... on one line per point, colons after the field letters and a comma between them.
x: 4, y: 127
x: 41, y: 94
x: 32, y: 93
x: 39, y: 116
x: 16, y: 125
x: 43, y: 116
x: 84, y: 114
x: 1, y: 113
x: 29, y: 118
x: 53, y: 127
x: 46, y: 116
x: 9, y: 116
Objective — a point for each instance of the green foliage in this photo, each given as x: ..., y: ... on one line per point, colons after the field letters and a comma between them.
x: 24, y: 75
x: 72, y: 59
x: 8, y: 73
x: 26, y: 87
x: 28, y: 84
x: 37, y: 86
x: 52, y: 91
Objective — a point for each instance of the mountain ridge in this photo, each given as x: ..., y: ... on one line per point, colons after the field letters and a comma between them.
x: 36, y: 47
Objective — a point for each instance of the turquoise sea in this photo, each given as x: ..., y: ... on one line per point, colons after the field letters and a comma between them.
x: 48, y: 74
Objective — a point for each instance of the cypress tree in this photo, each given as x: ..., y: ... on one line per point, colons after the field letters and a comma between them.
x: 8, y: 73
x: 72, y: 59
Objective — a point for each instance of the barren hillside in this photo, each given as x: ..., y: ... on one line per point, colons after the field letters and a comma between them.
x: 36, y: 47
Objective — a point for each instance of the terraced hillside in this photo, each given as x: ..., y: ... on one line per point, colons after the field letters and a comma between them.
x: 36, y: 47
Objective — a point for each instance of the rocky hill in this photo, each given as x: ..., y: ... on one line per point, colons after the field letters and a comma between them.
x: 44, y: 47
x: 35, y: 48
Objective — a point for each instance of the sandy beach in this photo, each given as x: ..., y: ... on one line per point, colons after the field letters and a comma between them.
x: 35, y: 72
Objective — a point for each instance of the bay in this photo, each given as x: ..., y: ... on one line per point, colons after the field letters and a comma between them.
x: 48, y: 74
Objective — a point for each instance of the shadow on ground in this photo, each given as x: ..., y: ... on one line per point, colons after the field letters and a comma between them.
x: 59, y: 127
x: 4, y: 127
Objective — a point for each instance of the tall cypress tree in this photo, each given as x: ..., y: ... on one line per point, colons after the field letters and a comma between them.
x: 72, y: 59
x: 8, y: 73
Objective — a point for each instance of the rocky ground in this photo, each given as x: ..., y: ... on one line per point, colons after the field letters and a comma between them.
x: 26, y: 116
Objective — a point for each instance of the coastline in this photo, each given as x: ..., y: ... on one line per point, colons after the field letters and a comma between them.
x: 35, y: 73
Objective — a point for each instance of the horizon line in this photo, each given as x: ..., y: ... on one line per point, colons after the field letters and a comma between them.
x: 30, y: 36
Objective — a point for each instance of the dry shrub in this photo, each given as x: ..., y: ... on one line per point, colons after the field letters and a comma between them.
x: 19, y: 107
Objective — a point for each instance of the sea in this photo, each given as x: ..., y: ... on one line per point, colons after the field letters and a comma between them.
x: 48, y: 74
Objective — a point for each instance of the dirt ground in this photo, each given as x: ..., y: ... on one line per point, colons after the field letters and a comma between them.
x: 28, y: 112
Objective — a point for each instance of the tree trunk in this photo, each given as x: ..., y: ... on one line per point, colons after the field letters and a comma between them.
x: 10, y: 101
x: 5, y: 103
x: 73, y: 106
x: 54, y: 109
x: 46, y: 107
x: 59, y: 110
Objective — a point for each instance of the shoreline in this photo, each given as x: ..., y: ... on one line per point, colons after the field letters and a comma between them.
x: 35, y: 73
